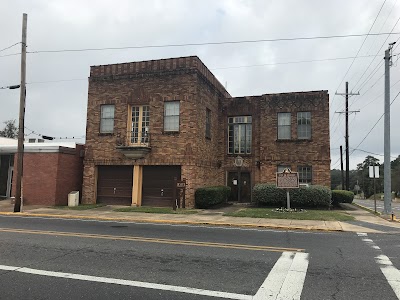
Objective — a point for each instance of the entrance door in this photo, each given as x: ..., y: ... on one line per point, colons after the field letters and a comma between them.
x: 245, y: 186
x: 114, y: 185
x: 158, y: 184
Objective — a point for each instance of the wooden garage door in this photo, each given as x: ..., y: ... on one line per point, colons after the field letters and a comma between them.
x: 114, y: 185
x: 157, y: 185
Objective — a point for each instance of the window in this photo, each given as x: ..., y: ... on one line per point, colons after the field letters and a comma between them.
x: 283, y: 167
x: 171, y: 116
x: 284, y: 128
x: 208, y: 123
x: 239, y: 135
x: 304, y: 125
x: 305, y: 174
x: 107, y: 119
x: 140, y: 124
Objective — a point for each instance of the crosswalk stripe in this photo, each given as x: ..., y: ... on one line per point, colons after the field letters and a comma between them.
x: 391, y: 273
x: 286, y: 279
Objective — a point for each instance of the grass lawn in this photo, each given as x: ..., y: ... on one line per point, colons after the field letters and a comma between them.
x: 157, y: 210
x: 324, y: 215
x: 80, y: 207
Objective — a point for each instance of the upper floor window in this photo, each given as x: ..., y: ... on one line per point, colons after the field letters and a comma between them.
x: 107, y: 119
x: 208, y: 123
x: 239, y: 135
x: 140, y: 122
x: 284, y: 127
x: 305, y: 174
x: 304, y: 125
x: 171, y: 116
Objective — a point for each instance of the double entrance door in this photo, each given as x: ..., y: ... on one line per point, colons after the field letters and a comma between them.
x: 243, y: 184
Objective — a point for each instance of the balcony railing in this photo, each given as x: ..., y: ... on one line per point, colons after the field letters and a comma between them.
x: 134, y: 145
x: 134, y: 139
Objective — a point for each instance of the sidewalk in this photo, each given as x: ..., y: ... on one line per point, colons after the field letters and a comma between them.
x: 205, y: 217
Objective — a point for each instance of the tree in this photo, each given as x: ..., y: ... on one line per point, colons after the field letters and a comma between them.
x: 366, y: 183
x: 10, y: 130
x: 395, y: 164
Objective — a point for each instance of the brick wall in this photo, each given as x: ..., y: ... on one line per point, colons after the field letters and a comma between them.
x: 49, y: 177
x: 153, y: 83
x: 204, y: 161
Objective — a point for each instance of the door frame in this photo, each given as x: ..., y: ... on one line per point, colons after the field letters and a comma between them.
x: 243, y: 170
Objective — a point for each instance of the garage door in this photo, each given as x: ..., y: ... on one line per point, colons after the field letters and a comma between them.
x: 157, y: 185
x: 114, y: 185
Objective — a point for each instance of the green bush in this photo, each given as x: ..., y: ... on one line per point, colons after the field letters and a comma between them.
x: 313, y: 196
x: 212, y: 195
x: 340, y: 196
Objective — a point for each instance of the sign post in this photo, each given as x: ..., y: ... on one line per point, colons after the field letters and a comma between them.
x: 374, y: 173
x: 287, y: 180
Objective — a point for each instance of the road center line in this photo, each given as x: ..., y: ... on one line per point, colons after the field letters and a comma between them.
x: 154, y: 240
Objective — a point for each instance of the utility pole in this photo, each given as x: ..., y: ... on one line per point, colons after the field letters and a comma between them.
x: 387, y: 166
x: 341, y: 166
x: 21, y: 126
x: 347, y: 94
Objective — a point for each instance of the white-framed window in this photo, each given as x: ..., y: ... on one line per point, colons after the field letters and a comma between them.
x: 208, y: 123
x: 304, y: 125
x: 280, y: 168
x: 107, y: 118
x: 239, y: 135
x: 284, y: 126
x: 305, y: 174
x: 140, y: 122
x: 171, y: 116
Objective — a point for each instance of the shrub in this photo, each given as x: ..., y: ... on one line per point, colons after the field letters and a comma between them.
x: 206, y: 197
x: 340, y: 196
x: 313, y: 196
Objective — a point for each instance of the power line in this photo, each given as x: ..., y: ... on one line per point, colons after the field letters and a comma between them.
x: 366, y: 36
x: 365, y: 151
x: 375, y: 124
x: 213, y: 43
x: 10, y: 46
x: 377, y: 52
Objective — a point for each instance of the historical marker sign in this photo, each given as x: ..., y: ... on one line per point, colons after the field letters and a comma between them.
x: 287, y: 180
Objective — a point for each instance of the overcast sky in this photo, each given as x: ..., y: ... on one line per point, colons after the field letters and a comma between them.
x: 59, y: 108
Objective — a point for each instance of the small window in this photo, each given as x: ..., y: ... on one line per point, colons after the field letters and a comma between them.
x: 107, y: 119
x: 208, y: 123
x: 305, y: 174
x: 283, y: 167
x: 304, y: 125
x: 284, y: 128
x: 171, y: 116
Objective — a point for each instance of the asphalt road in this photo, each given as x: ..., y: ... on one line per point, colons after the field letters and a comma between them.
x: 379, y: 205
x: 74, y: 259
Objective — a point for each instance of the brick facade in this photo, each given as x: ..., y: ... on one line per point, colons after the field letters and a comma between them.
x: 50, y: 176
x: 204, y: 161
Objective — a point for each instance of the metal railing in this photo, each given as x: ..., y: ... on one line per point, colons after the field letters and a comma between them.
x: 133, y: 138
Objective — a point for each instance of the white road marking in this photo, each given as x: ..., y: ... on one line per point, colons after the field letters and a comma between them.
x: 285, y: 280
x: 361, y: 234
x: 391, y: 273
x: 147, y: 285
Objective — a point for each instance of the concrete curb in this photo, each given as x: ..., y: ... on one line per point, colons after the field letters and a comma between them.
x: 158, y: 221
x: 373, y: 212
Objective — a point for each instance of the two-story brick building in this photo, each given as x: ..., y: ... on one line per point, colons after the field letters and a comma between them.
x: 151, y: 121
